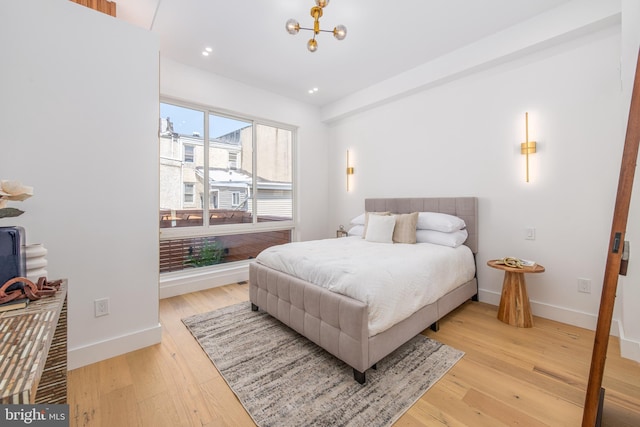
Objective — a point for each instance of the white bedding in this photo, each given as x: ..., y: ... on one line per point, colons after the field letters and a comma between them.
x: 394, y: 280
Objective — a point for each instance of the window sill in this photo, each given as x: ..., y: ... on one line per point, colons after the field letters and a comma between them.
x: 221, y: 230
x: 197, y: 279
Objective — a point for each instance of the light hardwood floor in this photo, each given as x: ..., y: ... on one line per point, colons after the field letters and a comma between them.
x: 508, y: 376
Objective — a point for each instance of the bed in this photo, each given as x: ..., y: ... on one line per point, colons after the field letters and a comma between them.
x: 340, y: 323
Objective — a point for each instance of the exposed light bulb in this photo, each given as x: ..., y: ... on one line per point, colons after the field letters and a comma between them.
x: 312, y: 45
x: 340, y: 32
x: 322, y: 3
x: 292, y: 26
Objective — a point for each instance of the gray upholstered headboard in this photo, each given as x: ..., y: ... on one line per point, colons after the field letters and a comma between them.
x: 463, y: 207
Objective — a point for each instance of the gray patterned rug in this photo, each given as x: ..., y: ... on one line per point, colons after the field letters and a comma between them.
x: 283, y: 379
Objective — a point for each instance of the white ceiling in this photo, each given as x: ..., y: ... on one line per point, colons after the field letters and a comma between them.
x: 384, y: 38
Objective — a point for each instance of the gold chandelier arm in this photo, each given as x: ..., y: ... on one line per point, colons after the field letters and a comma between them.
x: 316, y: 12
x: 319, y: 31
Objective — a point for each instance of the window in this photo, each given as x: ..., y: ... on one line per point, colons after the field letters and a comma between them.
x: 213, y: 199
x: 235, y: 174
x: 188, y: 153
x: 275, y: 173
x: 233, y: 160
x: 235, y: 198
x: 188, y: 193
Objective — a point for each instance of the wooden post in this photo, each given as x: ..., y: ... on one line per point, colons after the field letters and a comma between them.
x: 612, y: 269
x: 104, y: 6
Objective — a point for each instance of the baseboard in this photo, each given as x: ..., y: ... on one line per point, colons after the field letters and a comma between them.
x: 557, y: 313
x: 96, y: 352
x: 629, y: 349
x: 184, y: 282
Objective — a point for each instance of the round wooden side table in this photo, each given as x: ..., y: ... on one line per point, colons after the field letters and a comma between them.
x: 514, y: 306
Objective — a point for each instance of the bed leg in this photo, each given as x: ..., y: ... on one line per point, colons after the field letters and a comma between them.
x: 435, y: 326
x: 375, y: 366
x: 359, y: 376
x: 254, y: 307
x: 475, y: 298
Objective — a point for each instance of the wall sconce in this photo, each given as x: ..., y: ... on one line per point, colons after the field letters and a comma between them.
x: 349, y: 170
x: 527, y: 147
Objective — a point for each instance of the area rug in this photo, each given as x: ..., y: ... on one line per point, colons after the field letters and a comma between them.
x: 283, y: 379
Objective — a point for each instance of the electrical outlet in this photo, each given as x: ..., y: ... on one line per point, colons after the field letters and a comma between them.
x: 584, y: 285
x: 101, y: 307
x: 530, y: 233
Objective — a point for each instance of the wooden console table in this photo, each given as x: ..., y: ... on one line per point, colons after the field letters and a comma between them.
x: 514, y: 306
x: 33, y: 352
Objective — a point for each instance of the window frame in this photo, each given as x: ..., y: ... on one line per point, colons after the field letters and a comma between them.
x: 207, y: 229
x: 211, y: 199
x: 189, y: 155
x: 235, y: 161
x: 235, y: 198
x: 191, y: 193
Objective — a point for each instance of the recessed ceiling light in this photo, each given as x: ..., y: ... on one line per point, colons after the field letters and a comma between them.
x: 205, y: 53
x: 312, y: 91
x: 207, y: 50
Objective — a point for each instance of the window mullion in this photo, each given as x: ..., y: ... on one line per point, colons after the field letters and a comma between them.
x: 205, y: 184
x: 254, y: 171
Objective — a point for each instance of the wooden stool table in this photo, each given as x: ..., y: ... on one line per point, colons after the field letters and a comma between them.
x: 514, y: 306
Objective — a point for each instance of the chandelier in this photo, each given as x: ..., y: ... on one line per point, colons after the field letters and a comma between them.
x: 293, y: 26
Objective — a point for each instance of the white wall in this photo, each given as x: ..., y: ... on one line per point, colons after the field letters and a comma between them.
x: 189, y: 84
x: 79, y: 117
x: 460, y: 135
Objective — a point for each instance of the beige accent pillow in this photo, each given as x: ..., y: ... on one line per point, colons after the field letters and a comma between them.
x: 366, y: 220
x: 405, y: 231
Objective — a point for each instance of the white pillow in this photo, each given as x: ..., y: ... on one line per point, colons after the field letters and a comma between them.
x: 380, y: 228
x: 452, y: 239
x: 439, y: 222
x: 359, y: 220
x: 356, y: 230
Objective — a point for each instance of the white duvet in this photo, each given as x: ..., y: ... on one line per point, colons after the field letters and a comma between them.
x: 394, y: 280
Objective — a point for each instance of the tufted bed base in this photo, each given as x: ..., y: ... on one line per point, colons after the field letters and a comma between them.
x: 338, y: 323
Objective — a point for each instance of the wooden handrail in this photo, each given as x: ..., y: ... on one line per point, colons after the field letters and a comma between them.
x: 104, y: 6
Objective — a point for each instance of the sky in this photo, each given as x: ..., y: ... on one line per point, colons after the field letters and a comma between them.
x: 187, y: 121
